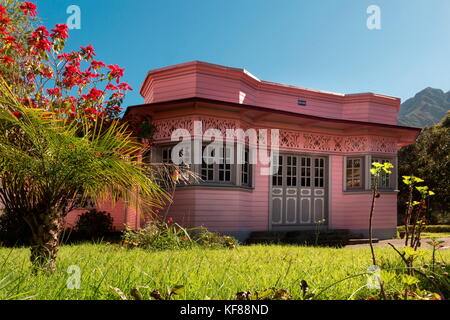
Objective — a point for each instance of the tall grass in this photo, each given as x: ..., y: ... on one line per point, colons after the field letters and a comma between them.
x: 205, y: 273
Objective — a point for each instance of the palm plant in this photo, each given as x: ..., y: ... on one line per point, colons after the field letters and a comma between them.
x: 47, y: 165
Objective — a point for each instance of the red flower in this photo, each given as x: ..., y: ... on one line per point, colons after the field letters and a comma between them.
x: 97, y: 65
x: 10, y: 40
x: 47, y: 73
x: 39, y: 39
x: 124, y: 86
x: 41, y: 31
x: 170, y: 220
x: 111, y: 87
x: 117, y: 95
x: 2, y: 11
x: 94, y: 94
x: 88, y: 52
x: 90, y: 110
x: 116, y: 72
x: 60, y: 32
x: 29, y: 8
x: 17, y: 114
x: 54, y: 92
x: 4, y: 20
x: 70, y: 57
x: 6, y: 60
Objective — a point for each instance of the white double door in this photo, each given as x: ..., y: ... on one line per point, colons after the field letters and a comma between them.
x: 299, y: 190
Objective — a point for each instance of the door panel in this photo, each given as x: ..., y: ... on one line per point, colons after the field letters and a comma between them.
x: 299, y: 190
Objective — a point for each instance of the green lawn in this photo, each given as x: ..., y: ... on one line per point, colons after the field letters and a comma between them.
x: 217, y: 274
x: 428, y: 235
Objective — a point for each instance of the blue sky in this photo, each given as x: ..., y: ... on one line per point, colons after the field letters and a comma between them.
x: 321, y: 44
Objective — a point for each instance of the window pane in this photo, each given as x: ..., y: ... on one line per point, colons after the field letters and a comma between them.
x: 354, y: 173
x: 349, y: 163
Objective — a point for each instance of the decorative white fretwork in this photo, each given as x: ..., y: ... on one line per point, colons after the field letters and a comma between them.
x: 289, y: 139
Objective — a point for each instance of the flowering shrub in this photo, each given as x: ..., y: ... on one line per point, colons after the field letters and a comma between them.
x: 72, y: 85
x: 61, y: 136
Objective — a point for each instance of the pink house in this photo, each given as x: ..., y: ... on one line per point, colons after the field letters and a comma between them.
x: 327, y: 142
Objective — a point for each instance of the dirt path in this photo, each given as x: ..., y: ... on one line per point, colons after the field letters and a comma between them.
x: 399, y: 243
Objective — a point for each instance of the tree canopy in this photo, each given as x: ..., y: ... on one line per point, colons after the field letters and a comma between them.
x: 429, y: 158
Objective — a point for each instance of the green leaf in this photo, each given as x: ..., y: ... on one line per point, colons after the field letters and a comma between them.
x: 409, y: 280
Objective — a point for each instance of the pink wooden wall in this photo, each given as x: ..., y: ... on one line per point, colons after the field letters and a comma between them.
x: 205, y: 80
x: 224, y: 210
x: 121, y: 214
x: 351, y: 210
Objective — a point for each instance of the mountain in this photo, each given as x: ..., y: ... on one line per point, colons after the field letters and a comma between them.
x: 427, y: 107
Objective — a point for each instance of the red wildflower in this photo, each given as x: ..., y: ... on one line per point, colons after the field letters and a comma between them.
x: 116, y: 72
x: 60, y: 32
x: 6, y: 60
x: 29, y: 8
x: 170, y: 220
x: 88, y: 52
x: 2, y: 11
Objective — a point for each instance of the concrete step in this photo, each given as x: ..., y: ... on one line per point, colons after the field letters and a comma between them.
x: 308, y: 237
x: 355, y: 236
x: 361, y: 241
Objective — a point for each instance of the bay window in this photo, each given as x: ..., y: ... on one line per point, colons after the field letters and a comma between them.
x: 220, y: 169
